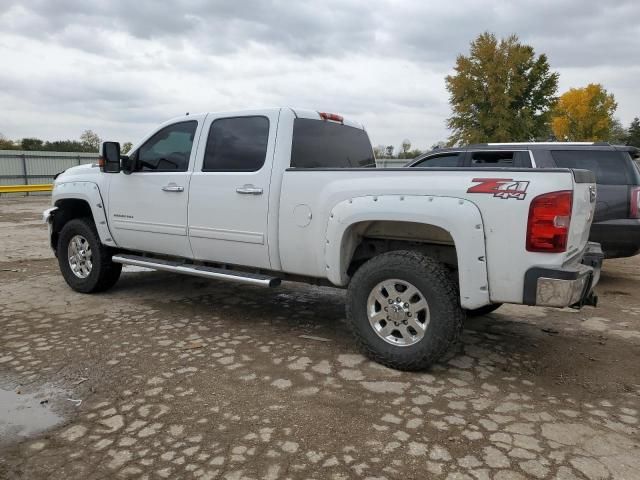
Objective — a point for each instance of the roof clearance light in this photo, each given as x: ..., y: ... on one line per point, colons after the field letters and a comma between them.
x: 332, y: 117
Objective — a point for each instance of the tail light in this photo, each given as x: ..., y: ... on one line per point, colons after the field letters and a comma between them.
x: 634, y: 207
x: 549, y: 220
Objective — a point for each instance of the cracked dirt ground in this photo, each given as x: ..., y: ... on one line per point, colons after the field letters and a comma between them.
x: 174, y: 377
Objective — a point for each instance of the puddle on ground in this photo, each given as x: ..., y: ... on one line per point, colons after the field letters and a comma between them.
x: 23, y: 415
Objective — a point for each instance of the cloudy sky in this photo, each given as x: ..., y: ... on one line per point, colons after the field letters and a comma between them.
x: 120, y: 67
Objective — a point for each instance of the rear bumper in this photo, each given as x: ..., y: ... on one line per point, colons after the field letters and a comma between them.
x: 618, y: 238
x: 567, y: 286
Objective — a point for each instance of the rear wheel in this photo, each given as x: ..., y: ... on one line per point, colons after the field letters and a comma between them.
x: 403, y: 310
x: 84, y: 262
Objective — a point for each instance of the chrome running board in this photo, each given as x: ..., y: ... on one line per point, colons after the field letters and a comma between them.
x: 198, y: 270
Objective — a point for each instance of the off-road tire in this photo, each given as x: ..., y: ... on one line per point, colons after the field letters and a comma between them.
x: 486, y: 310
x: 434, y: 282
x: 104, y: 273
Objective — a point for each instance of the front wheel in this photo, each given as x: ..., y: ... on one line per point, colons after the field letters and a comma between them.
x: 85, y: 263
x: 403, y: 310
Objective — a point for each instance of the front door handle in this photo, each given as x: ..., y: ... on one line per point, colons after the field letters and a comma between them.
x: 172, y: 187
x: 249, y: 190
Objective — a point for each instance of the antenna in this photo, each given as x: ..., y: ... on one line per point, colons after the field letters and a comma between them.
x: 187, y: 114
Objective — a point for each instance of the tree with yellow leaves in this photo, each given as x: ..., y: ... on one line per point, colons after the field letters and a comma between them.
x: 584, y: 114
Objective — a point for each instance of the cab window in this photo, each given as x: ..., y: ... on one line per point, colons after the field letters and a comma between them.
x: 492, y: 159
x: 452, y: 159
x: 320, y: 144
x: 169, y: 149
x: 500, y: 159
x: 237, y: 144
x: 609, y: 167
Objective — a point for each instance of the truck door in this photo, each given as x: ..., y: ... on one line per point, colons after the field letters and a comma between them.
x: 229, y: 196
x: 147, y: 209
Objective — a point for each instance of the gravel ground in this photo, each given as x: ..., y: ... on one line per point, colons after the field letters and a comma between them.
x: 174, y: 377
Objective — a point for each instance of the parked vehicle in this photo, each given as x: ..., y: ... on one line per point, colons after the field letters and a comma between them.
x: 617, y: 220
x: 280, y: 194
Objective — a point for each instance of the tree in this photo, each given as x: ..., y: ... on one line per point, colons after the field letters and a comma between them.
x: 388, y: 150
x: 584, y: 114
x: 6, y: 144
x: 618, y: 134
x: 31, y: 144
x: 91, y: 140
x: 126, y: 147
x: 500, y: 92
x: 633, y: 135
x: 67, y: 146
x: 411, y: 153
x: 406, y: 150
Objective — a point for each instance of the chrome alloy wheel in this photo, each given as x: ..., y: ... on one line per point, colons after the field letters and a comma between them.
x: 398, y: 312
x: 79, y: 255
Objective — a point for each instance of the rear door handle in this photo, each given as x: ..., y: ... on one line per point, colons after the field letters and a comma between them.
x: 172, y: 187
x: 249, y: 190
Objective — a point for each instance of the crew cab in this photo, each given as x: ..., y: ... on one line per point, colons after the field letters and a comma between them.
x: 287, y: 194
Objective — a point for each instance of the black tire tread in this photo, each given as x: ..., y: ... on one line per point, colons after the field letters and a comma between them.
x: 108, y: 272
x: 448, y: 327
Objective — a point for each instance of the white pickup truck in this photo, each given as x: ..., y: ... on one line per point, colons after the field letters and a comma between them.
x: 287, y: 194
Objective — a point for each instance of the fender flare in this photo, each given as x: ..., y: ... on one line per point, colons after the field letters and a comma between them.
x: 90, y: 193
x: 459, y: 217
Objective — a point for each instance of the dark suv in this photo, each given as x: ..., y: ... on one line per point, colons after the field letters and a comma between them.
x: 616, y: 225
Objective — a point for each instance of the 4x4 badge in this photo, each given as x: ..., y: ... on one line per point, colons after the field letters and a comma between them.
x: 501, y: 187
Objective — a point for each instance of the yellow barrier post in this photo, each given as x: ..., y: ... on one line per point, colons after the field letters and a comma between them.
x: 45, y: 187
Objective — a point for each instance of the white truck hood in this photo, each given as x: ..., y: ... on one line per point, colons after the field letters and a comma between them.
x: 87, y: 172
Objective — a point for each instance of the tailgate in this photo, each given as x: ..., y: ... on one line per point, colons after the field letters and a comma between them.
x: 584, y: 203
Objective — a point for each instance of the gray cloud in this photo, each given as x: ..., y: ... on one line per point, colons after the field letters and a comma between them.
x: 130, y: 64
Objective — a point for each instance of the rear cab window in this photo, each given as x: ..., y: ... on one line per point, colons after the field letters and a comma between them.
x: 610, y: 167
x: 326, y: 144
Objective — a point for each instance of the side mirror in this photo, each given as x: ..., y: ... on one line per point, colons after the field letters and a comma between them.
x: 111, y: 157
x: 128, y: 164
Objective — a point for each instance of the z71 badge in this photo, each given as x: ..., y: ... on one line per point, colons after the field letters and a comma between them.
x: 501, y: 187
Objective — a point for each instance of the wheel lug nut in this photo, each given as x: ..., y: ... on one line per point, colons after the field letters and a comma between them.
x: 390, y: 301
x: 406, y: 305
x: 398, y: 300
x: 408, y: 314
